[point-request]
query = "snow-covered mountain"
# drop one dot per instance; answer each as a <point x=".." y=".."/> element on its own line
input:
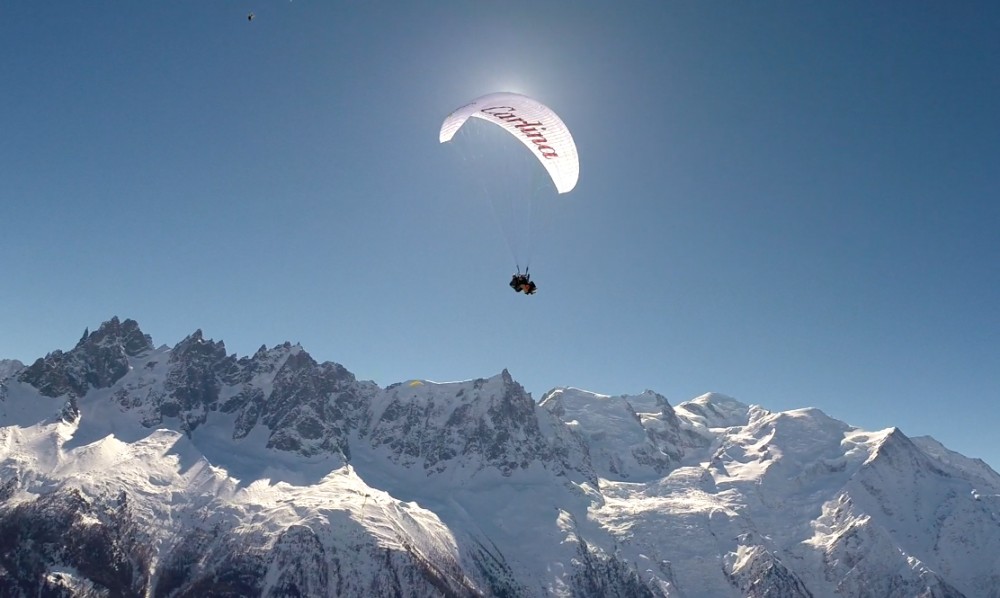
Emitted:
<point x="133" y="470"/>
<point x="9" y="367"/>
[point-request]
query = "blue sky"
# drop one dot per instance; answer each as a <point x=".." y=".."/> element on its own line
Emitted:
<point x="793" y="203"/>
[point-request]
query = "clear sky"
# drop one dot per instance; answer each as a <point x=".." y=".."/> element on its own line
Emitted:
<point x="792" y="203"/>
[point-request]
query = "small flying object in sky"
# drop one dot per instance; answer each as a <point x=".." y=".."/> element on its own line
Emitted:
<point x="250" y="17"/>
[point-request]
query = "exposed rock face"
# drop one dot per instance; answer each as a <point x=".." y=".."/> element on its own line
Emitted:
<point x="485" y="423"/>
<point x="128" y="470"/>
<point x="99" y="360"/>
<point x="97" y="539"/>
<point x="758" y="573"/>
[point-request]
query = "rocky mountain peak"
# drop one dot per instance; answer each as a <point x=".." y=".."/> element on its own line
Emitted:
<point x="895" y="451"/>
<point x="115" y="333"/>
<point x="98" y="360"/>
<point x="483" y="423"/>
<point x="195" y="346"/>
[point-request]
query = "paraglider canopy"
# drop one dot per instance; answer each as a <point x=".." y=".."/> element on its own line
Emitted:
<point x="534" y="124"/>
<point x="505" y="155"/>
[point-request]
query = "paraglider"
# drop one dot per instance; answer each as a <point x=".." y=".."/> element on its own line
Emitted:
<point x="522" y="283"/>
<point x="509" y="174"/>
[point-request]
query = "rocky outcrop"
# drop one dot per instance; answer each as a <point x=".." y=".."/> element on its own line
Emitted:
<point x="100" y="359"/>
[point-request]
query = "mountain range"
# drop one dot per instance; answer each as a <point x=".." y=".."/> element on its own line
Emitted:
<point x="128" y="469"/>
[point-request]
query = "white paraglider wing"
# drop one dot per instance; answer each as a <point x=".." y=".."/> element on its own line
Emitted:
<point x="533" y="123"/>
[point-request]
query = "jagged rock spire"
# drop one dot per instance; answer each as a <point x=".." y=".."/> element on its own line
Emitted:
<point x="98" y="360"/>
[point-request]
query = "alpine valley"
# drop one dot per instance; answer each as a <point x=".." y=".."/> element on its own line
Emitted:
<point x="133" y="470"/>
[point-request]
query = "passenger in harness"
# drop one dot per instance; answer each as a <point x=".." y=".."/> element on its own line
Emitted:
<point x="521" y="283"/>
